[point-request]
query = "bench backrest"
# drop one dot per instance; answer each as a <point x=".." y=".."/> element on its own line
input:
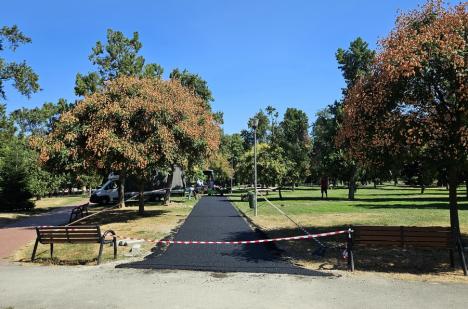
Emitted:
<point x="69" y="234"/>
<point x="429" y="237"/>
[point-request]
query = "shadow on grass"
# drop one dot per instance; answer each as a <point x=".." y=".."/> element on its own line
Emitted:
<point x="376" y="259"/>
<point x="436" y="205"/>
<point x="120" y="216"/>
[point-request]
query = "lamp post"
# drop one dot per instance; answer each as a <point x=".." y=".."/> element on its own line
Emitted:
<point x="255" y="126"/>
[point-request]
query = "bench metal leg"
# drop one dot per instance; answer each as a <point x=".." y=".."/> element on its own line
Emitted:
<point x="349" y="249"/>
<point x="100" y="252"/>
<point x="350" y="260"/>
<point x="51" y="251"/>
<point x="33" y="256"/>
<point x="462" y="258"/>
<point x="114" y="241"/>
<point x="452" y="261"/>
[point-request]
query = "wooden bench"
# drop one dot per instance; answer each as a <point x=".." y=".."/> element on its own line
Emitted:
<point x="78" y="212"/>
<point x="79" y="234"/>
<point x="401" y="236"/>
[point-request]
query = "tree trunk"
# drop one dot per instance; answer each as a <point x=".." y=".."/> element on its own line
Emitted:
<point x="375" y="183"/>
<point x="453" y="182"/>
<point x="122" y="178"/>
<point x="279" y="192"/>
<point x="422" y="188"/>
<point x="39" y="197"/>
<point x="352" y="185"/>
<point x="167" y="196"/>
<point x="141" y="205"/>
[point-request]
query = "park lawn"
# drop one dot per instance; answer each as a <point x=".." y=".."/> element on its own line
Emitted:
<point x="159" y="222"/>
<point x="386" y="205"/>
<point x="43" y="205"/>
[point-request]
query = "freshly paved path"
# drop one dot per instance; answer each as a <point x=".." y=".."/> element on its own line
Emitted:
<point x="15" y="235"/>
<point x="215" y="218"/>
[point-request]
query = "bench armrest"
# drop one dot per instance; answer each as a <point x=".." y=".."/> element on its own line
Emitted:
<point x="107" y="233"/>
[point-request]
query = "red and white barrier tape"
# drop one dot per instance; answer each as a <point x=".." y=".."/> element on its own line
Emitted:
<point x="236" y="242"/>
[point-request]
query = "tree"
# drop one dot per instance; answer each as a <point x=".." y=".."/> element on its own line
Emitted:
<point x="15" y="192"/>
<point x="19" y="73"/>
<point x="415" y="97"/>
<point x="132" y="127"/>
<point x="262" y="130"/>
<point x="295" y="142"/>
<point x="39" y="120"/>
<point x="272" y="166"/>
<point x="354" y="63"/>
<point x="326" y="158"/>
<point x="221" y="167"/>
<point x="232" y="148"/>
<point x="117" y="57"/>
<point x="194" y="82"/>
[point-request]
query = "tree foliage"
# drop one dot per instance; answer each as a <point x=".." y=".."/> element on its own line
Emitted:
<point x="22" y="76"/>
<point x="415" y="99"/>
<point x="132" y="126"/>
<point x="119" y="56"/>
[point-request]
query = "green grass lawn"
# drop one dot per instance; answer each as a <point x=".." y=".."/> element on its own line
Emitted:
<point x="386" y="205"/>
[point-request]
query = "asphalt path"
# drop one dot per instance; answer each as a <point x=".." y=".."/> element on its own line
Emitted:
<point x="216" y="219"/>
<point x="17" y="234"/>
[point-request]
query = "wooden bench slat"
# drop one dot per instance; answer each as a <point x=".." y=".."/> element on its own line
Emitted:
<point x="76" y="227"/>
<point x="71" y="236"/>
<point x="412" y="228"/>
<point x="66" y="241"/>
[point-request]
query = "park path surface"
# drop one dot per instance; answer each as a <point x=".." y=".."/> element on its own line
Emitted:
<point x="106" y="287"/>
<point x="216" y="219"/>
<point x="17" y="234"/>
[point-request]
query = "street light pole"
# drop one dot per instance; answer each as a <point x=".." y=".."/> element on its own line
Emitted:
<point x="255" y="125"/>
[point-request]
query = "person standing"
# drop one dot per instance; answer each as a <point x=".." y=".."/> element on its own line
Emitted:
<point x="324" y="186"/>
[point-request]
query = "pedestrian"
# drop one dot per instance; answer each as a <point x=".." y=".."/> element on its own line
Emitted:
<point x="324" y="186"/>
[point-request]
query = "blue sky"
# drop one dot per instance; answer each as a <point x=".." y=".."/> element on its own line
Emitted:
<point x="252" y="53"/>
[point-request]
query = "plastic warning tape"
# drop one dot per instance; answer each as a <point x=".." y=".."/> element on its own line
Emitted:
<point x="235" y="242"/>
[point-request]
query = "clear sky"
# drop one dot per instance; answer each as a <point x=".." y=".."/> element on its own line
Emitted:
<point x="253" y="53"/>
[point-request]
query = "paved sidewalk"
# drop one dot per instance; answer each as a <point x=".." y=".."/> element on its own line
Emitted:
<point x="17" y="234"/>
<point x="106" y="287"/>
<point x="215" y="218"/>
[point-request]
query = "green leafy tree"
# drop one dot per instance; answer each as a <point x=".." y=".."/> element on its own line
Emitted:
<point x="272" y="166"/>
<point x="14" y="169"/>
<point x="262" y="130"/>
<point x="295" y="142"/>
<point x="354" y="63"/>
<point x="39" y="120"/>
<point x="117" y="57"/>
<point x="22" y="76"/>
<point x="132" y="127"/>
<point x="326" y="158"/>
<point x="194" y="82"/>
<point x="232" y="148"/>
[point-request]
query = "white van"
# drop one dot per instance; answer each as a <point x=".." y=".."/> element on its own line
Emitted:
<point x="109" y="192"/>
